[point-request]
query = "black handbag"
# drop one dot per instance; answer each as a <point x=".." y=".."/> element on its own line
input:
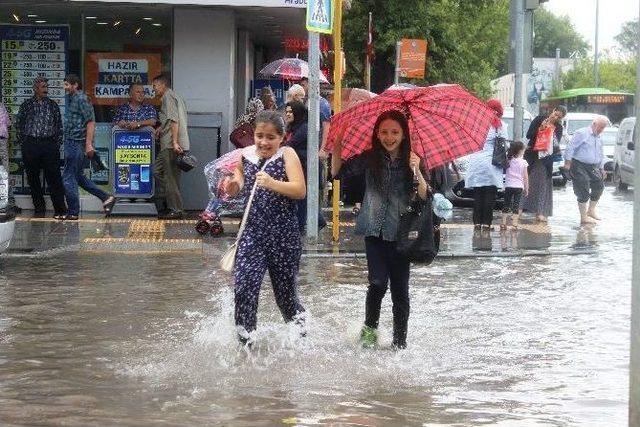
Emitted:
<point x="418" y="233"/>
<point x="186" y="161"/>
<point x="499" y="157"/>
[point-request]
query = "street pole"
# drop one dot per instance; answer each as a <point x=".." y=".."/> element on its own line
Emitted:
<point x="313" y="136"/>
<point x="596" y="73"/>
<point x="396" y="74"/>
<point x="337" y="107"/>
<point x="367" y="65"/>
<point x="519" y="51"/>
<point x="634" y="364"/>
<point x="556" y="72"/>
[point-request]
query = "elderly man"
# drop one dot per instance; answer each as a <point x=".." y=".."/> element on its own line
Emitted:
<point x="296" y="93"/>
<point x="135" y="113"/>
<point x="39" y="130"/>
<point x="585" y="159"/>
<point x="174" y="139"/>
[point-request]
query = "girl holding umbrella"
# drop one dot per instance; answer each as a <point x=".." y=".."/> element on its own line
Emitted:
<point x="388" y="167"/>
<point x="384" y="138"/>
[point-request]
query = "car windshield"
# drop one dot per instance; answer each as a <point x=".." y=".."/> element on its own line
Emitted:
<point x="574" y="125"/>
<point x="609" y="137"/>
<point x="509" y="122"/>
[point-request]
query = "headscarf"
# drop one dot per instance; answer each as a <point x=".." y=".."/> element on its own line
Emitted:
<point x="496" y="106"/>
<point x="299" y="114"/>
<point x="249" y="117"/>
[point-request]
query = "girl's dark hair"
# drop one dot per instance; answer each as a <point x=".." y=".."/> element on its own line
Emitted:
<point x="299" y="113"/>
<point x="377" y="160"/>
<point x="272" y="117"/>
<point x="514" y="149"/>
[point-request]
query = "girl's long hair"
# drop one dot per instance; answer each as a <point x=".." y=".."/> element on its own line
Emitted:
<point x="299" y="114"/>
<point x="514" y="148"/>
<point x="377" y="160"/>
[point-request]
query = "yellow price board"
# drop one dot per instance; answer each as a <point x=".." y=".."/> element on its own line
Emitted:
<point x="133" y="156"/>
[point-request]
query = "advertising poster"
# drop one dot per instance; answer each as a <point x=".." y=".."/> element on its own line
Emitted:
<point x="132" y="163"/>
<point x="277" y="87"/>
<point x="413" y="58"/>
<point x="28" y="52"/>
<point x="108" y="76"/>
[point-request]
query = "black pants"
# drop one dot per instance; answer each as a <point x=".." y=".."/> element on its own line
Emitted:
<point x="484" y="199"/>
<point x="588" y="182"/>
<point x="512" y="198"/>
<point x="43" y="154"/>
<point x="387" y="265"/>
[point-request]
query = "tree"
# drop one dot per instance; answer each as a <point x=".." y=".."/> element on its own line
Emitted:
<point x="629" y="36"/>
<point x="615" y="74"/>
<point x="551" y="32"/>
<point x="466" y="42"/>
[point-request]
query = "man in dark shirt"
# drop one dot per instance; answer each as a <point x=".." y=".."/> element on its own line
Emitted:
<point x="39" y="129"/>
<point x="135" y="113"/>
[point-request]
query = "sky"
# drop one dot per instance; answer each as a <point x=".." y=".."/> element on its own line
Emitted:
<point x="613" y="13"/>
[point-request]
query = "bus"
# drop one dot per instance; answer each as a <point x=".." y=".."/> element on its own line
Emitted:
<point x="615" y="105"/>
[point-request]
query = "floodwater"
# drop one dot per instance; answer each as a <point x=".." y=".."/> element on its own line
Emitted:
<point x="120" y="339"/>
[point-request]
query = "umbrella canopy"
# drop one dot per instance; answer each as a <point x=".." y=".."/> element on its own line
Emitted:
<point x="445" y="122"/>
<point x="354" y="96"/>
<point x="289" y="69"/>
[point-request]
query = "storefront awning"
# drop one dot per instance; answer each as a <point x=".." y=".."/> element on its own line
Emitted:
<point x="237" y="3"/>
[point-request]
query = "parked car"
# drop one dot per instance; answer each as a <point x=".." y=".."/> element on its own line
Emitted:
<point x="624" y="154"/>
<point x="455" y="173"/>
<point x="7" y="215"/>
<point x="609" y="136"/>
<point x="572" y="122"/>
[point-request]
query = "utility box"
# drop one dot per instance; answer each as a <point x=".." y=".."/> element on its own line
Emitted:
<point x="205" y="144"/>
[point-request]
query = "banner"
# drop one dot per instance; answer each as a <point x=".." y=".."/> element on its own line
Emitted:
<point x="413" y="58"/>
<point x="132" y="163"/>
<point x="108" y="76"/>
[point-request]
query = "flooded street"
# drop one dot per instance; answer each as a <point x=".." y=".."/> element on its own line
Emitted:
<point x="103" y="338"/>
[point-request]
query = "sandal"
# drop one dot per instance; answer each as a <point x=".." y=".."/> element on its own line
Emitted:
<point x="108" y="205"/>
<point x="59" y="217"/>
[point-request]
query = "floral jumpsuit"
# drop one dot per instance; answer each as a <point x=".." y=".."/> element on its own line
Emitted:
<point x="271" y="241"/>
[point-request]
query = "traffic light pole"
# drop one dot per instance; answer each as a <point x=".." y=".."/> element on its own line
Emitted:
<point x="519" y="50"/>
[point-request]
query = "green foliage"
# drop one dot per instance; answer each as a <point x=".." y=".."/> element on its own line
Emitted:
<point x="467" y="41"/>
<point x="629" y="36"/>
<point x="551" y="32"/>
<point x="615" y="74"/>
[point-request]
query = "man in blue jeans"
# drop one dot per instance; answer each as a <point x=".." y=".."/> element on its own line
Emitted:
<point x="79" y="130"/>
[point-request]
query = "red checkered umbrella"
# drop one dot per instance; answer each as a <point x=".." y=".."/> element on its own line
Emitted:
<point x="445" y="121"/>
<point x="289" y="69"/>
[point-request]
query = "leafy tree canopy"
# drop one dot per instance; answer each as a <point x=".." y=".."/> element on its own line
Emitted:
<point x="629" y="36"/>
<point x="615" y="74"/>
<point x="551" y="32"/>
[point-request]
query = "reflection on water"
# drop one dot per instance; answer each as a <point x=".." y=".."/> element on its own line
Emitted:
<point x="102" y="339"/>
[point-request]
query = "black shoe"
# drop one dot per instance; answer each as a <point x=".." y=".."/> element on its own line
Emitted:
<point x="171" y="215"/>
<point x="108" y="205"/>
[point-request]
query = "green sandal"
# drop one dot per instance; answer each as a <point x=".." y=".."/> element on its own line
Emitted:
<point x="368" y="337"/>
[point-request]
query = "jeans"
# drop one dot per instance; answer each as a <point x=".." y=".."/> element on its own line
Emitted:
<point x="73" y="176"/>
<point x="386" y="265"/>
<point x="484" y="199"/>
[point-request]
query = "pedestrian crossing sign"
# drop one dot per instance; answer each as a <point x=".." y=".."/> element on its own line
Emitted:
<point x="320" y="16"/>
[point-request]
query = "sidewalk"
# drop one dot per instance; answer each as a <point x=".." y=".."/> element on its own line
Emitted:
<point x="42" y="236"/>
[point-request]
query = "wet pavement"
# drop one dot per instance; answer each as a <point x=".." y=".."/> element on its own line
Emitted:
<point x="129" y="322"/>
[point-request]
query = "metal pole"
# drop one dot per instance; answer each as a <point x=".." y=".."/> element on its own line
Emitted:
<point x="596" y="73"/>
<point x="634" y="365"/>
<point x="396" y="74"/>
<point x="367" y="65"/>
<point x="556" y="76"/>
<point x="313" y="136"/>
<point x="337" y="107"/>
<point x="519" y="51"/>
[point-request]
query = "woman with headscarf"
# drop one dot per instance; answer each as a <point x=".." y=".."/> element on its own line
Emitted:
<point x="297" y="128"/>
<point x="483" y="177"/>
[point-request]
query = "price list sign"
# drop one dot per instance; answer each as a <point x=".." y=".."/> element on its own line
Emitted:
<point x="28" y="52"/>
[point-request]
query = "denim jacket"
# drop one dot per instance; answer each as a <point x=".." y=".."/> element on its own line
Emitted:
<point x="381" y="209"/>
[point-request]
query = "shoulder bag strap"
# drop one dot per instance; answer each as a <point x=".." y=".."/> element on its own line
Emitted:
<point x="248" y="208"/>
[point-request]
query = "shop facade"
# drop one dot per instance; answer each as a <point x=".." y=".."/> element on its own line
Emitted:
<point x="212" y="49"/>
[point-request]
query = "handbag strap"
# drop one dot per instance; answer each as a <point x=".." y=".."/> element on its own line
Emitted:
<point x="248" y="208"/>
